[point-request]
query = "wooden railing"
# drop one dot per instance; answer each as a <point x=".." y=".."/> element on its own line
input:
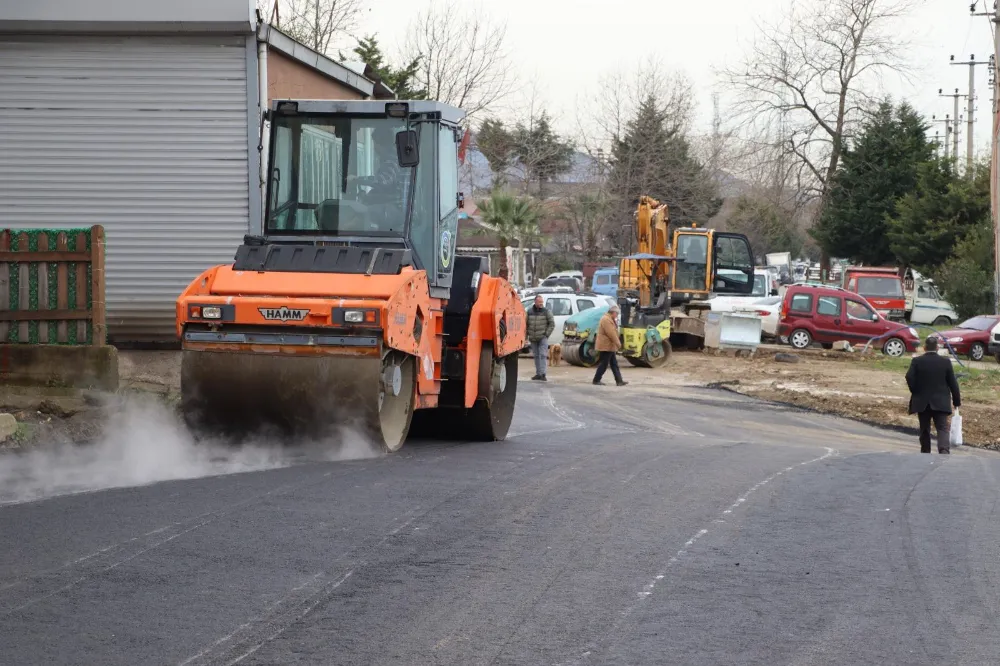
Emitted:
<point x="52" y="286"/>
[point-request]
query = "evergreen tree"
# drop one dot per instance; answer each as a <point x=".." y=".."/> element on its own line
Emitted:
<point x="966" y="278"/>
<point x="496" y="143"/>
<point x="402" y="80"/>
<point x="937" y="213"/>
<point x="541" y="152"/>
<point x="882" y="166"/>
<point x="654" y="158"/>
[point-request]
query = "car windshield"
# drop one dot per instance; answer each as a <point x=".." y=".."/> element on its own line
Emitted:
<point x="880" y="286"/>
<point x="979" y="323"/>
<point x="337" y="175"/>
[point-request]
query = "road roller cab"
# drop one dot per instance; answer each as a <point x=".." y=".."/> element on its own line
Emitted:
<point x="352" y="308"/>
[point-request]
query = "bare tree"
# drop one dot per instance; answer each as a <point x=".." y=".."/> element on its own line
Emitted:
<point x="319" y="24"/>
<point x="805" y="82"/>
<point x="462" y="55"/>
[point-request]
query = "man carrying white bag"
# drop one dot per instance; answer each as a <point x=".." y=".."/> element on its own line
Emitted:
<point x="933" y="391"/>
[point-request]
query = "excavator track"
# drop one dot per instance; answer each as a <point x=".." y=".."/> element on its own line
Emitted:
<point x="251" y="396"/>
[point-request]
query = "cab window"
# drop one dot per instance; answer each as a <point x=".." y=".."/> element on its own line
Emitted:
<point x="584" y="304"/>
<point x="560" y="306"/>
<point x="828" y="306"/>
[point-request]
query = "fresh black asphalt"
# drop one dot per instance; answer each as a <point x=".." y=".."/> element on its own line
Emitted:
<point x="615" y="526"/>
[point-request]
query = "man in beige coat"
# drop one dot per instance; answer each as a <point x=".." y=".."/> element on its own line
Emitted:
<point x="607" y="344"/>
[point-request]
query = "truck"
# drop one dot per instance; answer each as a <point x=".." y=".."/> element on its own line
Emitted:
<point x="924" y="303"/>
<point x="783" y="262"/>
<point x="879" y="285"/>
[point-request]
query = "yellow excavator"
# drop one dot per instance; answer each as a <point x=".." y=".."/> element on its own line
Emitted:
<point x="664" y="289"/>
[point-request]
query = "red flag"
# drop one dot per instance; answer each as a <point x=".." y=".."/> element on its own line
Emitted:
<point x="462" y="147"/>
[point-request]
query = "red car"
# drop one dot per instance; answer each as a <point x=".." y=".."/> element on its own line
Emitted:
<point x="812" y="313"/>
<point x="971" y="337"/>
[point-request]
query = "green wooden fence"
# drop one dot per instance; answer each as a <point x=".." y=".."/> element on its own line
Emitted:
<point x="52" y="286"/>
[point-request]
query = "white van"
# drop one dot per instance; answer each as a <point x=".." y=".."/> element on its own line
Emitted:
<point x="994" y="346"/>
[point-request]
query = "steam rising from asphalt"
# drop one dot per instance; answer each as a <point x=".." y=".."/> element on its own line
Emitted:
<point x="143" y="443"/>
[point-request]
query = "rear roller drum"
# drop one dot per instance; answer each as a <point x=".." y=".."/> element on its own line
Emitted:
<point x="490" y="418"/>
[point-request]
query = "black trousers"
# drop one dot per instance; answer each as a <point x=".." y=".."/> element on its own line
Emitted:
<point x="608" y="358"/>
<point x="940" y="420"/>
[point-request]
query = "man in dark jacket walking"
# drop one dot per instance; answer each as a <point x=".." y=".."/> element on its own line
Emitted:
<point x="540" y="325"/>
<point x="933" y="391"/>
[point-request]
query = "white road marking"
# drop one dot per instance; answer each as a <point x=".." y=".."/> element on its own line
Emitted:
<point x="648" y="589"/>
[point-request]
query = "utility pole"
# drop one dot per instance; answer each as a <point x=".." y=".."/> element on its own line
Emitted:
<point x="947" y="132"/>
<point x="994" y="16"/>
<point x="972" y="62"/>
<point x="954" y="96"/>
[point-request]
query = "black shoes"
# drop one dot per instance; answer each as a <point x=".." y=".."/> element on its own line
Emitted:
<point x="597" y="383"/>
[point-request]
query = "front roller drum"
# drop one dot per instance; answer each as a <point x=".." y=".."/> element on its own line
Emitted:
<point x="580" y="354"/>
<point x="243" y="395"/>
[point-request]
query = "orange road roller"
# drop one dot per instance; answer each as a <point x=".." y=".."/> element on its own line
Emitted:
<point x="352" y="308"/>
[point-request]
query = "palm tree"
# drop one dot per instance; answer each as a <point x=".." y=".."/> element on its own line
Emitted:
<point x="510" y="218"/>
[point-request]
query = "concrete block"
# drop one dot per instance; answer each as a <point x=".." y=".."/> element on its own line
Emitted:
<point x="60" y="366"/>
<point x="8" y="426"/>
<point x="842" y="345"/>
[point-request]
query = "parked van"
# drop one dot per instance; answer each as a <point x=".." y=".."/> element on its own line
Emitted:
<point x="605" y="281"/>
<point x="812" y="313"/>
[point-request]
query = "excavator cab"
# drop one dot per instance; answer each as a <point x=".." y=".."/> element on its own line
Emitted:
<point x="351" y="308"/>
<point x="710" y="262"/>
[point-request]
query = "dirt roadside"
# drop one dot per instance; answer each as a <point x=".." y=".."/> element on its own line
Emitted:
<point x="870" y="389"/>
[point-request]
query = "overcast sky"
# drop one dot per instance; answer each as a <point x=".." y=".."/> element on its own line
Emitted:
<point x="567" y="44"/>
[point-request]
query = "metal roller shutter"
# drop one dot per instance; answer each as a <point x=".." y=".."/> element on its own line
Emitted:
<point x="145" y="135"/>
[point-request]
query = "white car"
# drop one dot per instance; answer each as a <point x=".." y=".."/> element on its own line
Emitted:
<point x="764" y="285"/>
<point x="994" y="345"/>
<point x="573" y="274"/>
<point x="563" y="305"/>
<point x="769" y="310"/>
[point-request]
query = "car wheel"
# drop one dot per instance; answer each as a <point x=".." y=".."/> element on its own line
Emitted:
<point x="977" y="351"/>
<point x="894" y="347"/>
<point x="800" y="338"/>
<point x="942" y="321"/>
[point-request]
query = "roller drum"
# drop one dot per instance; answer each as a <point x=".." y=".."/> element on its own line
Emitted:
<point x="239" y="395"/>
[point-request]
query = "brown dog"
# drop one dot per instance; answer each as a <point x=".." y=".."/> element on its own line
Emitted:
<point x="555" y="354"/>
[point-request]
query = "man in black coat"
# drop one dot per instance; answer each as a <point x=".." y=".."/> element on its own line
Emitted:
<point x="933" y="391"/>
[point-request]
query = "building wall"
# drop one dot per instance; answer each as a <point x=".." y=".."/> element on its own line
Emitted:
<point x="288" y="79"/>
